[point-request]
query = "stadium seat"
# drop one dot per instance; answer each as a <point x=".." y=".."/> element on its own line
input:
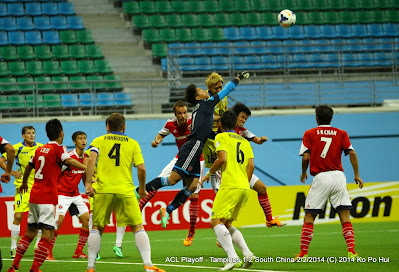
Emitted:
<point x="248" y="33"/>
<point x="3" y="69"/>
<point x="16" y="102"/>
<point x="327" y="31"/>
<point x="123" y="99"/>
<point x="26" y="52"/>
<point x="350" y="60"/>
<point x="193" y="49"/>
<point x="176" y="49"/>
<point x="96" y="85"/>
<point x="33" y="9"/>
<point x="141" y="21"/>
<point x="274" y="47"/>
<point x="85" y="67"/>
<point x="279" y="33"/>
<point x="203" y="63"/>
<point x="66" y="8"/>
<point x="75" y="22"/>
<point x="200" y="34"/>
<point x="164" y="64"/>
<point x="69" y="67"/>
<point x="79" y="83"/>
<point x="238" y="19"/>
<point x="50" y="8"/>
<point x="258" y="5"/>
<point x="42" y="22"/>
<point x="264" y="32"/>
<point x="222" y="20"/>
<point x="227" y="6"/>
<point x="77" y="51"/>
<point x="159" y="50"/>
<point x="344" y="31"/>
<point x="16" y="68"/>
<point x="390" y="30"/>
<point x="8" y="24"/>
<point x="44" y="84"/>
<point x="24" y="23"/>
<point x="59" y="22"/>
<point x="209" y="49"/>
<point x="84" y="36"/>
<point x="365" y="16"/>
<point x="10" y="87"/>
<point x="254" y="18"/>
<point x="68" y="36"/>
<point x="131" y="7"/>
<point x="94" y="51"/>
<point x="69" y="100"/>
<point x="163" y="7"/>
<point x="102" y="67"/>
<point x="151" y="35"/>
<point x="34" y="68"/>
<point x="3" y="9"/>
<point x="392" y="15"/>
<point x="232" y="33"/>
<point x="216" y="34"/>
<point x="184" y="35"/>
<point x="366" y="59"/>
<point x="3" y="38"/>
<point x="52" y="101"/>
<point x="269" y="18"/>
<point x="51" y="37"/>
<point x="104" y="99"/>
<point x="332" y="17"/>
<point x="258" y="47"/>
<point x="297" y="33"/>
<point x="60" y="51"/>
<point x="311" y="31"/>
<point x="174" y="20"/>
<point x="9" y="53"/>
<point x="167" y="35"/>
<point x="361" y="30"/>
<point x="51" y="68"/>
<point x="316" y="18"/>
<point x="254" y="63"/>
<point x="347" y="17"/>
<point x="62" y="85"/>
<point x="115" y="85"/>
<point x="383" y="58"/>
<point x="198" y="7"/>
<point x="222" y="63"/>
<point x="387" y="44"/>
<point x="206" y="20"/>
<point x="34" y="101"/>
<point x="42" y="52"/>
<point x="17" y="37"/>
<point x="16" y="9"/>
<point x="190" y="20"/>
<point x="147" y="7"/>
<point x="241" y="48"/>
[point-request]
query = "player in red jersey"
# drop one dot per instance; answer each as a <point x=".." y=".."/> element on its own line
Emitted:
<point x="322" y="148"/>
<point x="180" y="127"/>
<point x="9" y="149"/>
<point x="47" y="162"/>
<point x="69" y="196"/>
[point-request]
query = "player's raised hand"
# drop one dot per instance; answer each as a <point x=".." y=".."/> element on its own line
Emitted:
<point x="359" y="181"/>
<point x="243" y="74"/>
<point x="304" y="177"/>
<point x="6" y="177"/>
<point x="155" y="143"/>
<point x="24" y="188"/>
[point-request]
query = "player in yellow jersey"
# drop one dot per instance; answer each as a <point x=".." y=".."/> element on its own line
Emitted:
<point x="116" y="154"/>
<point x="236" y="159"/>
<point x="24" y="151"/>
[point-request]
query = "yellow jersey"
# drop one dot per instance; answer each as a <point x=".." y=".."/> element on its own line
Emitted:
<point x="23" y="154"/>
<point x="117" y="153"/>
<point x="238" y="152"/>
<point x="220" y="108"/>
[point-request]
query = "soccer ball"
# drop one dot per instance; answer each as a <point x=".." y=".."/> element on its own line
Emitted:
<point x="286" y="18"/>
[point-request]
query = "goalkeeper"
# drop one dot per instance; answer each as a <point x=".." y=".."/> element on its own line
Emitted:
<point x="187" y="166"/>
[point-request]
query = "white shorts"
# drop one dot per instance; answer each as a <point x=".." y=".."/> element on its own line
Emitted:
<point x="64" y="202"/>
<point x="41" y="215"/>
<point x="216" y="180"/>
<point x="168" y="170"/>
<point x="328" y="186"/>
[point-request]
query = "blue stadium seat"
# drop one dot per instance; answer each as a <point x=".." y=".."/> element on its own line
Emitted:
<point x="25" y="23"/>
<point x="353" y="45"/>
<point x="274" y="47"/>
<point x="366" y="59"/>
<point x="241" y="48"/>
<point x="311" y="31"/>
<point x="193" y="49"/>
<point x="383" y="58"/>
<point x="164" y="64"/>
<point x="232" y="33"/>
<point x="186" y="64"/>
<point x="374" y="30"/>
<point x="209" y="49"/>
<point x="349" y="60"/>
<point x="222" y="63"/>
<point x="279" y="33"/>
<point x="50" y="8"/>
<point x="370" y="44"/>
<point x="338" y="44"/>
<point x="33" y="37"/>
<point x="317" y="60"/>
<point x="16" y="37"/>
<point x="264" y="32"/>
<point x="225" y="48"/>
<point x="86" y="100"/>
<point x="176" y="49"/>
<point x="3" y="9"/>
<point x="42" y="22"/>
<point x="16" y="9"/>
<point x="327" y="31"/>
<point x="203" y="63"/>
<point x="59" y="22"/>
<point x="66" y="8"/>
<point x="299" y="61"/>
<point x="3" y="38"/>
<point x="8" y="23"/>
<point x="272" y="61"/>
<point x="123" y="99"/>
<point x="324" y="45"/>
<point x="248" y="33"/>
<point x="51" y="37"/>
<point x="297" y="33"/>
<point x="33" y="9"/>
<point x="104" y="99"/>
<point x="387" y="44"/>
<point x="344" y="31"/>
<point x="75" y="22"/>
<point x="258" y="47"/>
<point x="291" y="46"/>
<point x="254" y="62"/>
<point x="69" y="100"/>
<point x="390" y="30"/>
<point x="239" y="63"/>
<point x="331" y="59"/>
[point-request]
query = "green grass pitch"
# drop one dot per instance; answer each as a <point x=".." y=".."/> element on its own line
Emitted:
<point x="373" y="240"/>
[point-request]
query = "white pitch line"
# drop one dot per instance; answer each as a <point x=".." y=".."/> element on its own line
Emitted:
<point x="171" y="265"/>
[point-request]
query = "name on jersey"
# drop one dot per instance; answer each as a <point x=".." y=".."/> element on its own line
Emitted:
<point x="235" y="136"/>
<point x="116" y="138"/>
<point x="327" y="132"/>
<point x="45" y="150"/>
<point x="78" y="171"/>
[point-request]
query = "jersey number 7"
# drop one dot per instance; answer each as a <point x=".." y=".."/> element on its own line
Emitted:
<point x="326" y="147"/>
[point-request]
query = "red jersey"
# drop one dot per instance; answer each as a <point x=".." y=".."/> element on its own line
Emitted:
<point x="325" y="145"/>
<point x="47" y="162"/>
<point x="71" y="177"/>
<point x="245" y="133"/>
<point x="181" y="132"/>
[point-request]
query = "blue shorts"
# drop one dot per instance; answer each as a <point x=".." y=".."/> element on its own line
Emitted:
<point x="188" y="163"/>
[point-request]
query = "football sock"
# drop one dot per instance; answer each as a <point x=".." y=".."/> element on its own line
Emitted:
<point x="120" y="232"/>
<point x="265" y="204"/>
<point x="214" y="183"/>
<point x="143" y="201"/>
<point x="224" y="238"/>
<point x="90" y="222"/>
<point x="41" y="253"/>
<point x="52" y="242"/>
<point x="93" y="247"/>
<point x="349" y="236"/>
<point x="83" y="235"/>
<point x="193" y="211"/>
<point x="143" y="246"/>
<point x="179" y="199"/>
<point x="156" y="184"/>
<point x="23" y="245"/>
<point x="38" y="237"/>
<point x="238" y="239"/>
<point x="15" y="229"/>
<point x="306" y="237"/>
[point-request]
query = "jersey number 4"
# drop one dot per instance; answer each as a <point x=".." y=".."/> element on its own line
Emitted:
<point x="114" y="153"/>
<point x="326" y="147"/>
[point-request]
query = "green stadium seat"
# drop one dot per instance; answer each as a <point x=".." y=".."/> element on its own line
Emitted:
<point x="16" y="68"/>
<point x="33" y="101"/>
<point x="3" y="103"/>
<point x="317" y="18"/>
<point x="392" y="16"/>
<point x="159" y="50"/>
<point x="3" y="69"/>
<point x="163" y="6"/>
<point x="61" y="51"/>
<point x="84" y="36"/>
<point x="79" y="86"/>
<point x="113" y="86"/>
<point x="366" y="4"/>
<point x="196" y="7"/>
<point x="141" y="21"/>
<point x="206" y="20"/>
<point x="380" y="16"/>
<point x="212" y="6"/>
<point x="77" y="51"/>
<point x="332" y="18"/>
<point x="69" y="67"/>
<point x="238" y="19"/>
<point x="292" y="5"/>
<point x="26" y="52"/>
<point x="347" y="17"/>
<point x="52" y="100"/>
<point x="25" y="88"/>
<point x="8" y="88"/>
<point x="274" y="5"/>
<point x="303" y="5"/>
<point x="96" y="85"/>
<point x="51" y="67"/>
<point x="190" y="20"/>
<point x="200" y="34"/>
<point x="158" y="21"/>
<point x="102" y="67"/>
<point x="9" y="53"/>
<point x="383" y="4"/>
<point x="328" y="5"/>
<point x="269" y="18"/>
<point x="184" y="35"/>
<point x="302" y="18"/>
<point x="254" y="19"/>
<point x="151" y="35"/>
<point x="63" y="84"/>
<point x="365" y="16"/>
<point x="227" y="5"/>
<point x="167" y="35"/>
<point x="222" y="19"/>
<point x="94" y="51"/>
<point x="180" y="6"/>
<point x="86" y="67"/>
<point x="44" y="84"/>
<point x="147" y="7"/>
<point x="16" y="101"/>
<point x="43" y="52"/>
<point x="34" y="68"/>
<point x="68" y="36"/>
<point x="216" y="34"/>
<point x="350" y="4"/>
<point x="244" y="6"/>
<point x="131" y="7"/>
<point x="259" y="5"/>
<point x="174" y="20"/>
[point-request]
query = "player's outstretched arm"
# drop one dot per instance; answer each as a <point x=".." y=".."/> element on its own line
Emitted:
<point x="75" y="163"/>
<point x="141" y="175"/>
<point x="305" y="165"/>
<point x="259" y="140"/>
<point x="158" y="139"/>
<point x="24" y="187"/>
<point x="6" y="177"/>
<point x="355" y="166"/>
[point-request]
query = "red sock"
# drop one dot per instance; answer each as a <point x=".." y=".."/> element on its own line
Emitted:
<point x="306" y="237"/>
<point x="143" y="201"/>
<point x="41" y="253"/>
<point x="349" y="236"/>
<point x="265" y="203"/>
<point x="52" y="243"/>
<point x="83" y="235"/>
<point x="23" y="245"/>
<point x="193" y="210"/>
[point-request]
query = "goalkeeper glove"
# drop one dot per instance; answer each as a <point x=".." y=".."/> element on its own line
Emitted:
<point x="242" y="75"/>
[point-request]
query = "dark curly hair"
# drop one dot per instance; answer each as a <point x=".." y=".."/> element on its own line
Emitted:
<point x="191" y="93"/>
<point x="240" y="107"/>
